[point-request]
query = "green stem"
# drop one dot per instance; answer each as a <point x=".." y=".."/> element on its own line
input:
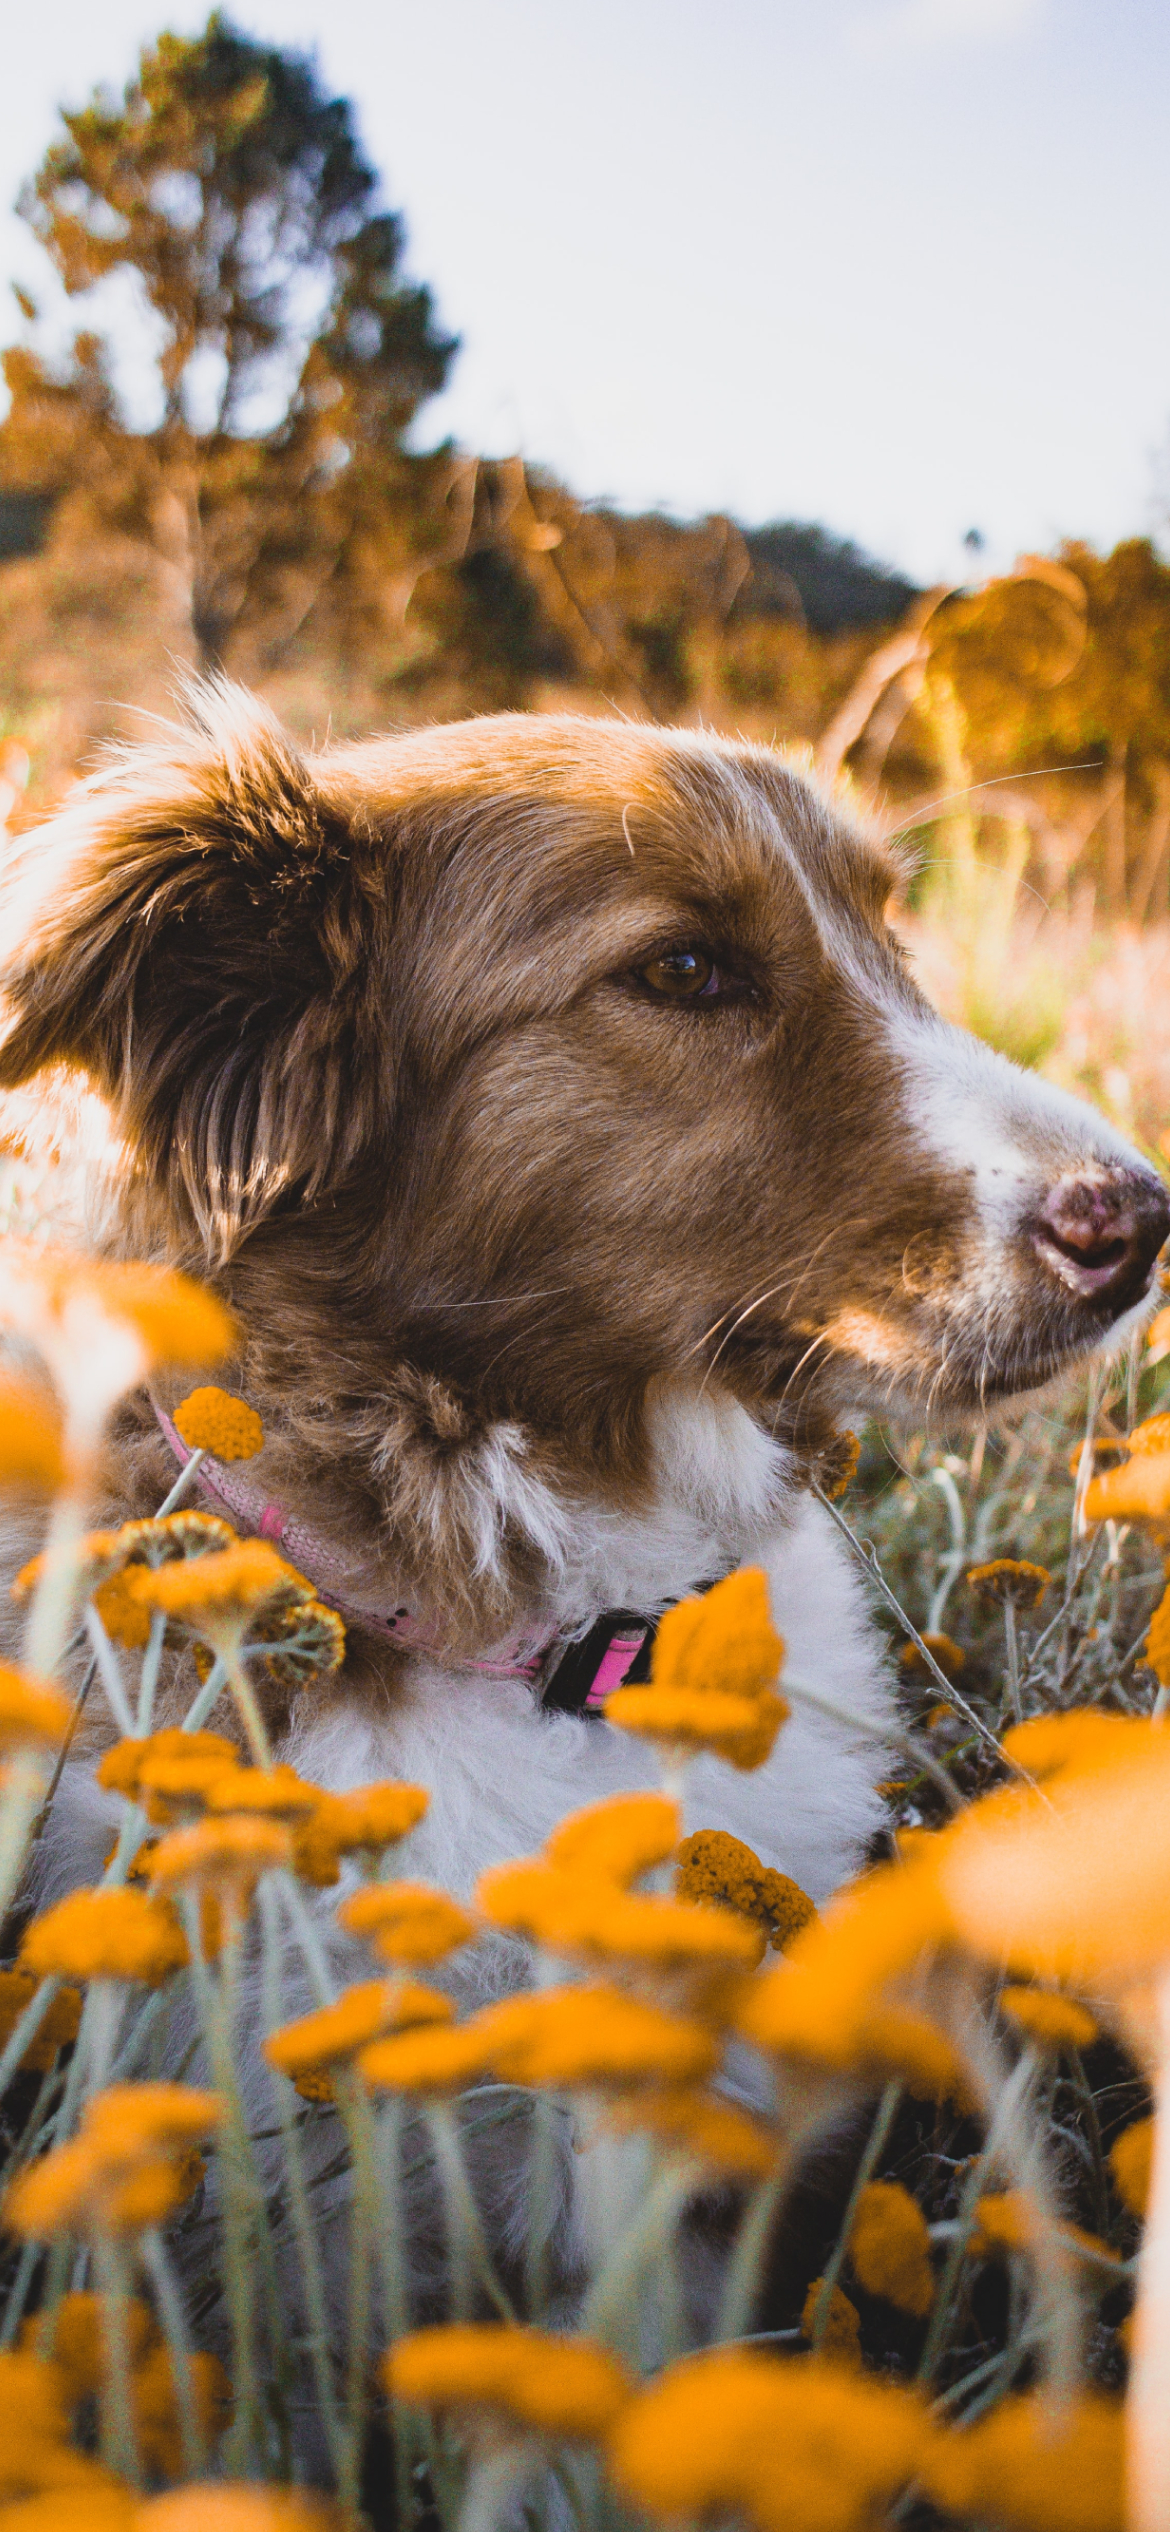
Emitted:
<point x="1012" y="1647"/>
<point x="25" y="2031"/>
<point x="887" y="2112"/>
<point x="467" y="2251"/>
<point x="741" y="2285"/>
<point x="493" y="2483"/>
<point x="20" y="1802"/>
<point x="47" y="1630"/>
<point x="244" y="2446"/>
<point x="248" y="1707"/>
<point x="611" y="2308"/>
<point x="208" y="1697"/>
<point x="148" y="1679"/>
<point x="170" y="2312"/>
<point x="364" y="2225"/>
<point x="119" y="2444"/>
<point x="543" y="2196"/>
<point x="308" y="2248"/>
<point x="182" y="1485"/>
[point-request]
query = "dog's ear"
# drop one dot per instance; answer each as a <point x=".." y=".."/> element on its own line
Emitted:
<point x="199" y="931"/>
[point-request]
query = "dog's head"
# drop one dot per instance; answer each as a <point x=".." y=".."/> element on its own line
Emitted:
<point x="505" y="1070"/>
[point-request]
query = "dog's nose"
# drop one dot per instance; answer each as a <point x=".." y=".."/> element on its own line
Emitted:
<point x="1101" y="1231"/>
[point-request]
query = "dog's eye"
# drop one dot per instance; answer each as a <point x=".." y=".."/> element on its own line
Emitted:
<point x="682" y="975"/>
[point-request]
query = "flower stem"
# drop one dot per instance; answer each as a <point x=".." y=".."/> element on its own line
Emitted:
<point x="119" y="2444"/>
<point x="308" y="2247"/>
<point x="887" y="2112"/>
<point x="170" y="2312"/>
<point x="248" y="1708"/>
<point x="467" y="2251"/>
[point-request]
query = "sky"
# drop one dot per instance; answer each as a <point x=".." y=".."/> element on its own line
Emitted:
<point x="898" y="266"/>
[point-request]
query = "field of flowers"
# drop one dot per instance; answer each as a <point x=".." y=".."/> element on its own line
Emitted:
<point x="866" y="2189"/>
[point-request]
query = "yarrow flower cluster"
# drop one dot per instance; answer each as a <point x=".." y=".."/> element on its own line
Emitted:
<point x="713" y="1673"/>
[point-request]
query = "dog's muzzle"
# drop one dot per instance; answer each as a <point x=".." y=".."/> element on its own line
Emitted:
<point x="1099" y="1231"/>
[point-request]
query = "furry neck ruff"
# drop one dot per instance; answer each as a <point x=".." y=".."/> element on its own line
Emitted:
<point x="615" y="1648"/>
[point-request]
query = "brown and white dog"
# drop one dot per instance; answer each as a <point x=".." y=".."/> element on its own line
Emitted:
<point x="552" y="1102"/>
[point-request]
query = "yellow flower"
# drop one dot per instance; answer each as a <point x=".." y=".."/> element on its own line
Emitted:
<point x="740" y="1729"/>
<point x="35" y="2454"/>
<point x="1034" y="2466"/>
<point x="825" y="2002"/>
<point x="1009" y="1578"/>
<point x="102" y="1553"/>
<point x="1004" y="2221"/>
<point x="174" y="1785"/>
<point x="231" y="1854"/>
<point x="315" y="2085"/>
<point x="363" y="2013"/>
<point x="79" y="2340"/>
<point x="106" y="1934"/>
<point x="59" y="2026"/>
<point x="236" y="2507"/>
<point x="441" y="2058"/>
<point x="534" y="1899"/>
<point x="32" y="1711"/>
<point x="407" y="1921"/>
<point x="1138" y="1490"/>
<point x="155" y="2403"/>
<point x="786" y="2446"/>
<point x="120" y="1771"/>
<point x="565" y="2389"/>
<point x="712" y="1671"/>
<point x="365" y="1821"/>
<point x="164" y="1537"/>
<point x="890" y="2248"/>
<point x="701" y="2128"/>
<point x="1058" y="1744"/>
<point x="717" y="1869"/>
<point x="123" y="1617"/>
<point x="1051" y="2022"/>
<point x="593" y="1920"/>
<point x="75" y="2190"/>
<point x="120" y="2174"/>
<point x="31" y="1459"/>
<point x="950" y="1657"/>
<point x="211" y="1420"/>
<point x="219" y="1593"/>
<point x="306" y="1637"/>
<point x="135" y="2118"/>
<point x="1072" y="1884"/>
<point x="82" y="2498"/>
<point x="619" y="1839"/>
<point x="568" y="2037"/>
<point x="275" y="1793"/>
<point x="841" y="2337"/>
<point x="1153" y="1435"/>
<point x="45" y="1291"/>
<point x="1131" y="2160"/>
<point x="725" y="1641"/>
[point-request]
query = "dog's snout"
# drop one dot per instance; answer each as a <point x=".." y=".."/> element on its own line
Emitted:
<point x="1100" y="1231"/>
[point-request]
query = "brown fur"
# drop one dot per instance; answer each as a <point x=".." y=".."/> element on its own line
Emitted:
<point x="372" y="1026"/>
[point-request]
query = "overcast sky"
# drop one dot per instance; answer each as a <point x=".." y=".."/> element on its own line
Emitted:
<point x="897" y="265"/>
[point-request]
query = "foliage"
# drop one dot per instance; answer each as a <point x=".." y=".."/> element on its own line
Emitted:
<point x="290" y="355"/>
<point x="919" y="2251"/>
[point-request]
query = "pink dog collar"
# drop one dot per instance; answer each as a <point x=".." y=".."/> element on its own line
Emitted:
<point x="616" y="1646"/>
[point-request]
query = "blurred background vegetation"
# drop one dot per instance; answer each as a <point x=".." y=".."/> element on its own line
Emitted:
<point x="277" y="520"/>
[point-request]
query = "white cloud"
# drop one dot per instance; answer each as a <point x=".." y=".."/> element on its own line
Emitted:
<point x="930" y="22"/>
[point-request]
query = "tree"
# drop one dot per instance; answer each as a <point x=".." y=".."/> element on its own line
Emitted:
<point x="290" y="354"/>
